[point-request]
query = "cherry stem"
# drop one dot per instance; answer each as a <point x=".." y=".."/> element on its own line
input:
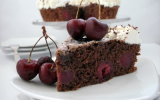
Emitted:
<point x="78" y="9"/>
<point x="53" y="42"/>
<point x="99" y="10"/>
<point x="52" y="67"/>
<point x="48" y="48"/>
<point x="29" y="58"/>
<point x="46" y="36"/>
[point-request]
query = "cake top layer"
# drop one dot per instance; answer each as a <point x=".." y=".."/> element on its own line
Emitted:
<point x="46" y="4"/>
<point x="106" y="3"/>
<point x="71" y="44"/>
<point x="128" y="34"/>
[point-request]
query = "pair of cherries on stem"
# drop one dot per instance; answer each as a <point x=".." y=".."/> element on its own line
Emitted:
<point x="92" y="28"/>
<point x="45" y="66"/>
<point x="27" y="69"/>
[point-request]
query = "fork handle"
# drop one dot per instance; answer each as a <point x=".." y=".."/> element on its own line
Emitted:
<point x="16" y="56"/>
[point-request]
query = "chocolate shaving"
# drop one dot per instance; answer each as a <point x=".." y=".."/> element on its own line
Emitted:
<point x="115" y="32"/>
<point x="135" y="28"/>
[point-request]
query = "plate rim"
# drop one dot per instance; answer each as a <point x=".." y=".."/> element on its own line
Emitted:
<point x="6" y="45"/>
<point x="49" y="98"/>
<point x="33" y="52"/>
<point x="28" y="49"/>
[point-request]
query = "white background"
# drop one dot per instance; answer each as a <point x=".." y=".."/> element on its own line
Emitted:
<point x="16" y="17"/>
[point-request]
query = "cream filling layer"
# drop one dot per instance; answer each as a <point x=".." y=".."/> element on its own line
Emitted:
<point x="61" y="3"/>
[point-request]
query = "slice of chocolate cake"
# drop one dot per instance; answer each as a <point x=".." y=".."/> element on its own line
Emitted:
<point x="81" y="63"/>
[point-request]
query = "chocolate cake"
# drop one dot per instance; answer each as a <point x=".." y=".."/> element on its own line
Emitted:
<point x="59" y="14"/>
<point x="64" y="10"/>
<point x="106" y="12"/>
<point x="86" y="62"/>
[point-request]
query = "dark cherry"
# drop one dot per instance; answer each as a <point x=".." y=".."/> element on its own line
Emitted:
<point x="27" y="71"/>
<point x="75" y="28"/>
<point x="66" y="76"/>
<point x="104" y="70"/>
<point x="45" y="59"/>
<point x="47" y="73"/>
<point x="95" y="30"/>
<point x="66" y="15"/>
<point x="126" y="59"/>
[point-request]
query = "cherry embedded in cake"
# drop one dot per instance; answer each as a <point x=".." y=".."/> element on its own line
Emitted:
<point x="66" y="76"/>
<point x="85" y="61"/>
<point x="104" y="71"/>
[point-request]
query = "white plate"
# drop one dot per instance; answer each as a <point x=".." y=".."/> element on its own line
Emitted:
<point x="28" y="49"/>
<point x="33" y="53"/>
<point x="22" y="97"/>
<point x="142" y="84"/>
<point x="26" y="42"/>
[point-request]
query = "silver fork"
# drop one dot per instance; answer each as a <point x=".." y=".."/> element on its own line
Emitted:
<point x="16" y="55"/>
